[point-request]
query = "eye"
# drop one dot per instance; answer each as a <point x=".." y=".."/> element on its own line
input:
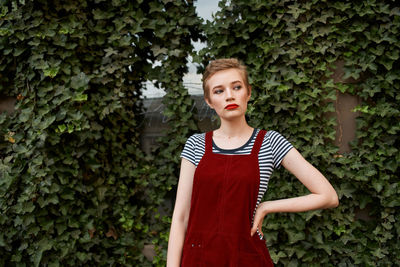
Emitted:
<point x="237" y="87"/>
<point x="218" y="91"/>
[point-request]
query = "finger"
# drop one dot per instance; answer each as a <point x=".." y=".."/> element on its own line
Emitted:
<point x="259" y="227"/>
<point x="260" y="230"/>
<point x="254" y="228"/>
<point x="257" y="223"/>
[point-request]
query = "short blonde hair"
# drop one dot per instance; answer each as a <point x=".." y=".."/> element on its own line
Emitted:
<point x="224" y="64"/>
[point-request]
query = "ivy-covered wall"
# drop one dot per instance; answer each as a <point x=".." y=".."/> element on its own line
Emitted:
<point x="75" y="187"/>
<point x="291" y="49"/>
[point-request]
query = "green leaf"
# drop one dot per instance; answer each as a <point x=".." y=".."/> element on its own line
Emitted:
<point x="79" y="81"/>
<point x="346" y="190"/>
<point x="20" y="148"/>
<point x="70" y="128"/>
<point x="102" y="14"/>
<point x="283" y="88"/>
<point x="294" y="236"/>
<point x="101" y="191"/>
<point x="62" y="128"/>
<point x="25" y="114"/>
<point x="51" y="72"/>
<point x="43" y="245"/>
<point x="80" y="97"/>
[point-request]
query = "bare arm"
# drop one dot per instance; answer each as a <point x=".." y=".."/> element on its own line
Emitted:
<point x="322" y="196"/>
<point x="180" y="216"/>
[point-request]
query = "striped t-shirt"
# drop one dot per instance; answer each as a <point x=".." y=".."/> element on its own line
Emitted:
<point x="274" y="147"/>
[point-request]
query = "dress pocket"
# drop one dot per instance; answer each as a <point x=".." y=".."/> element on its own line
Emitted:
<point x="250" y="245"/>
<point x="249" y="260"/>
<point x="254" y="252"/>
<point x="192" y="252"/>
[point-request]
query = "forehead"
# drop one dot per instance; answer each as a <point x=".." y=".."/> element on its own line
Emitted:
<point x="225" y="77"/>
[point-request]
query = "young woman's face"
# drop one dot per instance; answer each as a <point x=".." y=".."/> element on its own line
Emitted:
<point x="228" y="95"/>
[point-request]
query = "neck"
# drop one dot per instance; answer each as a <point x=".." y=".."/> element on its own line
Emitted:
<point x="234" y="128"/>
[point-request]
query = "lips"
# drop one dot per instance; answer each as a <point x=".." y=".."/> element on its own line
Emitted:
<point x="231" y="106"/>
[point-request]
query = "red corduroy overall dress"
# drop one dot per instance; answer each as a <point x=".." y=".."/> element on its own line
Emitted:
<point x="224" y="197"/>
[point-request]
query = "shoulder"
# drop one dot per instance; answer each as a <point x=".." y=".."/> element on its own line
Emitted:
<point x="276" y="142"/>
<point x="274" y="137"/>
<point x="194" y="142"/>
<point x="270" y="135"/>
<point x="196" y="138"/>
<point x="194" y="148"/>
<point x="277" y="145"/>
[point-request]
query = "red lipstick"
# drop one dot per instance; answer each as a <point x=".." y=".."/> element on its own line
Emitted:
<point x="231" y="106"/>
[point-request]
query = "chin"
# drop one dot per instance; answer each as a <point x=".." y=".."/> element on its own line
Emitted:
<point x="232" y="117"/>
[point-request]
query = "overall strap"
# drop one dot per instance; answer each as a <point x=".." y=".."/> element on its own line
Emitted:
<point x="209" y="142"/>
<point x="258" y="142"/>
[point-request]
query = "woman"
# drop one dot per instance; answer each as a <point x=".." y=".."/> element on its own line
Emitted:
<point x="218" y="216"/>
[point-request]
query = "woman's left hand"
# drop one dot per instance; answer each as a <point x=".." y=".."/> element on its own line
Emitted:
<point x="322" y="196"/>
<point x="259" y="218"/>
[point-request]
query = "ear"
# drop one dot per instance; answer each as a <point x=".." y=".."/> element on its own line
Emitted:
<point x="249" y="96"/>
<point x="208" y="102"/>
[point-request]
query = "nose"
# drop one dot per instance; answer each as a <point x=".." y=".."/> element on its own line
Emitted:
<point x="229" y="94"/>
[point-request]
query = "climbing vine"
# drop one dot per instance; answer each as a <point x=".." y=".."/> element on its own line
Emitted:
<point x="292" y="49"/>
<point x="75" y="186"/>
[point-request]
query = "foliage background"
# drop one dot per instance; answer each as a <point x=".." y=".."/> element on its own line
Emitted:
<point x="75" y="187"/>
<point x="291" y="49"/>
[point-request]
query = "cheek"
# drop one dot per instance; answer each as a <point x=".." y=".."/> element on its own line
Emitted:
<point x="246" y="97"/>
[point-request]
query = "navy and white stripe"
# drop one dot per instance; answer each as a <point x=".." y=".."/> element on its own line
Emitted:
<point x="274" y="147"/>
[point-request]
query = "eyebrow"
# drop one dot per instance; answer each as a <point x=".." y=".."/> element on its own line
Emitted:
<point x="218" y="86"/>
